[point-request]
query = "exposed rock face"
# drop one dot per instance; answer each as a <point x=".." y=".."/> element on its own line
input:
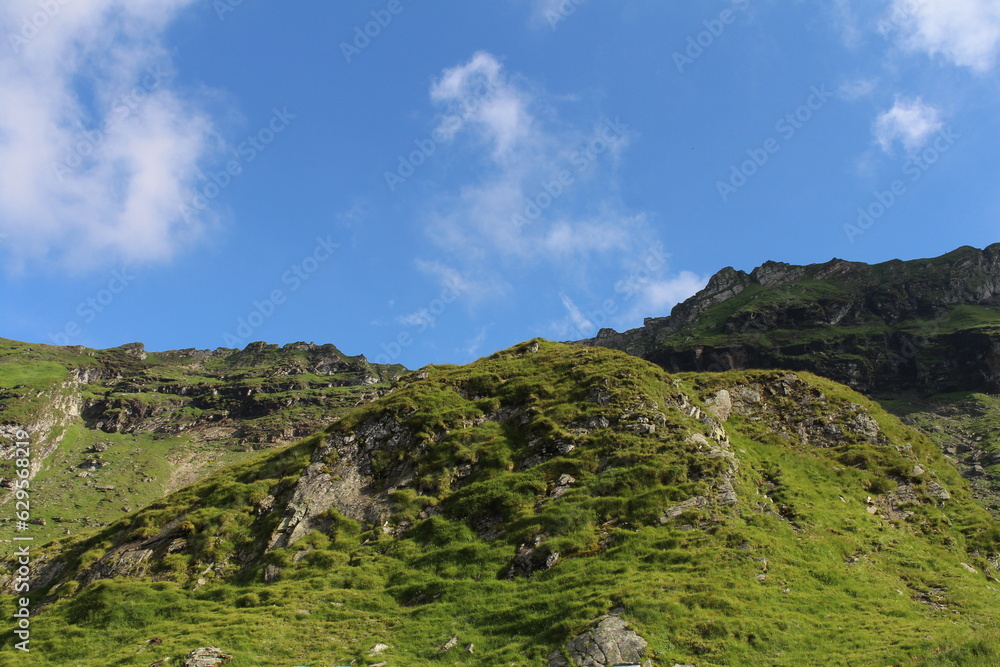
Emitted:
<point x="349" y="484"/>
<point x="878" y="328"/>
<point x="609" y="642"/>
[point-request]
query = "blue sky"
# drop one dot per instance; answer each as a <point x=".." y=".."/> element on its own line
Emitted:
<point x="427" y="182"/>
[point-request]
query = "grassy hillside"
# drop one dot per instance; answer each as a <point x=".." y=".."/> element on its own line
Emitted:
<point x="113" y="430"/>
<point x="750" y="517"/>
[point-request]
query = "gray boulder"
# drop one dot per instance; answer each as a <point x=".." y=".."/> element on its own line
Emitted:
<point x="210" y="656"/>
<point x="609" y="642"/>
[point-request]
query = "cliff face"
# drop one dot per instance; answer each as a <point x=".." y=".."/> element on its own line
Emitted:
<point x="924" y="325"/>
<point x="551" y="504"/>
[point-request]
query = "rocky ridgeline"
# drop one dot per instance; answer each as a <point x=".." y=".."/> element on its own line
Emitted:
<point x="929" y="325"/>
<point x="221" y="396"/>
<point x="198" y="406"/>
<point x="230" y="390"/>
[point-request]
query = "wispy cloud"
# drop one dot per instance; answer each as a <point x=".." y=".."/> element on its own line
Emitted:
<point x="531" y="190"/>
<point x="475" y="344"/>
<point x="857" y="88"/>
<point x="97" y="147"/>
<point x="656" y="297"/>
<point x="478" y="94"/>
<point x="580" y="323"/>
<point x="966" y="32"/>
<point x="910" y="123"/>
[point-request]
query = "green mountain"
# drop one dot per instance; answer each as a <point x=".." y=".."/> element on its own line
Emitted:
<point x="554" y="505"/>
<point x="114" y="430"/>
<point x="922" y="337"/>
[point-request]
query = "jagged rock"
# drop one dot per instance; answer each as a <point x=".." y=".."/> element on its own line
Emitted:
<point x="378" y="648"/>
<point x="697" y="502"/>
<point x="207" y="657"/>
<point x="529" y="559"/>
<point x="851" y="350"/>
<point x="562" y="485"/>
<point x="726" y="495"/>
<point x="938" y="492"/>
<point x="609" y="642"/>
<point x="720" y="405"/>
<point x="602" y="422"/>
<point x="450" y="644"/>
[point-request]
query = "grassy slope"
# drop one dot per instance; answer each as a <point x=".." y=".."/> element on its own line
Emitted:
<point x="140" y="465"/>
<point x="964" y="425"/>
<point x="841" y="586"/>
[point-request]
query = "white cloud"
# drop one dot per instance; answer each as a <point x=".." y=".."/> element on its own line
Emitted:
<point x="966" y="32"/>
<point x="454" y="285"/>
<point x="97" y="149"/>
<point x="911" y="123"/>
<point x="516" y="206"/>
<point x="475" y="344"/>
<point x="531" y="201"/>
<point x="656" y="297"/>
<point x="579" y="323"/>
<point x="843" y="13"/>
<point x="479" y="94"/>
<point x="858" y="88"/>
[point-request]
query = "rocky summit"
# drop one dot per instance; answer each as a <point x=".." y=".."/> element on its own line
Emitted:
<point x="797" y="467"/>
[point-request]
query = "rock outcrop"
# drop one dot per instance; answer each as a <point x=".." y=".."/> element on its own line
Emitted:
<point x="210" y="656"/>
<point x="609" y="642"/>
